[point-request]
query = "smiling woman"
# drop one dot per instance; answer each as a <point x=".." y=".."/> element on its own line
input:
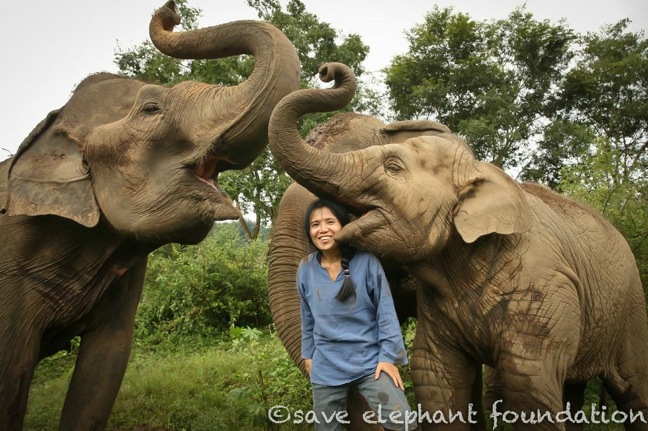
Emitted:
<point x="350" y="332"/>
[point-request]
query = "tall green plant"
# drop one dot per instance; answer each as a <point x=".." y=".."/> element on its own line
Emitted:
<point x="206" y="288"/>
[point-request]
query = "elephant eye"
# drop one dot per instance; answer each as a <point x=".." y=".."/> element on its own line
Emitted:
<point x="394" y="165"/>
<point x="151" y="107"/>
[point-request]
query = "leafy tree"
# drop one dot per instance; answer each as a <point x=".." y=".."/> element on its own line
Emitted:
<point x="258" y="188"/>
<point x="570" y="111"/>
<point x="490" y="82"/>
<point x="605" y="97"/>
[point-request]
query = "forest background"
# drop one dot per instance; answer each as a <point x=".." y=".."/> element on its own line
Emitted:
<point x="534" y="97"/>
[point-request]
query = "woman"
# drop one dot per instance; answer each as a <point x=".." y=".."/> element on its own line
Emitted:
<point x="350" y="331"/>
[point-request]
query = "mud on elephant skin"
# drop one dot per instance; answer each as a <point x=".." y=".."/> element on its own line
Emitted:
<point x="123" y="168"/>
<point x="514" y="276"/>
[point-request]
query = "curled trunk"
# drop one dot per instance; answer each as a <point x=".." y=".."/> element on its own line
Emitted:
<point x="276" y="73"/>
<point x="304" y="163"/>
<point x="288" y="244"/>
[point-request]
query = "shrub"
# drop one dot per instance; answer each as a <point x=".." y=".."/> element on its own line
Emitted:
<point x="207" y="288"/>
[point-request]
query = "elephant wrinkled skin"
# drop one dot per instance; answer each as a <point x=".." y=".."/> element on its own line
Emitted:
<point x="510" y="275"/>
<point x="123" y="168"/>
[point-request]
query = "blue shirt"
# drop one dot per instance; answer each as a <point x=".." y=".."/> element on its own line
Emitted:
<point x="346" y="340"/>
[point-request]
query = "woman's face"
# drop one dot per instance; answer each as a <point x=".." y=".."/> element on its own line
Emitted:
<point x="323" y="225"/>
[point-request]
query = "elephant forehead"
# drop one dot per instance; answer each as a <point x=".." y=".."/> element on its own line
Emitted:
<point x="347" y="132"/>
<point x="435" y="150"/>
<point x="430" y="144"/>
<point x="151" y="91"/>
<point x="430" y="148"/>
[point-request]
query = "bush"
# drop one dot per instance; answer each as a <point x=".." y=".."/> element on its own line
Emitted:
<point x="207" y="288"/>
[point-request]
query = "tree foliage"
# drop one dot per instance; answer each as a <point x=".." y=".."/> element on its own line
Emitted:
<point x="490" y="82"/>
<point x="568" y="110"/>
<point x="257" y="189"/>
<point x="221" y="282"/>
<point x="605" y="99"/>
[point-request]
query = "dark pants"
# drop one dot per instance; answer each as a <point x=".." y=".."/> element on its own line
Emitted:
<point x="388" y="402"/>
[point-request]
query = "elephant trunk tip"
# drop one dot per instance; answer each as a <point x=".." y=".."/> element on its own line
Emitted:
<point x="338" y="72"/>
<point x="168" y="16"/>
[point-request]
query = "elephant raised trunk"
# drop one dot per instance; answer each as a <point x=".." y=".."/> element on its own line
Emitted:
<point x="242" y="136"/>
<point x="301" y="160"/>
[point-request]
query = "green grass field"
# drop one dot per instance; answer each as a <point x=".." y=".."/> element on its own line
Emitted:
<point x="207" y="385"/>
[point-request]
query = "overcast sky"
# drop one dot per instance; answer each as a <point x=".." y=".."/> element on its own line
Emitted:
<point x="49" y="46"/>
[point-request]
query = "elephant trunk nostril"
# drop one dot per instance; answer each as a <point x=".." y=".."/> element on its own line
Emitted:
<point x="323" y="72"/>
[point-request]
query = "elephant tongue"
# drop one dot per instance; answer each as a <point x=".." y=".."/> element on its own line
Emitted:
<point x="206" y="171"/>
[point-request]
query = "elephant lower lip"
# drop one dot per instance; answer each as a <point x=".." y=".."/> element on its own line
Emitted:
<point x="209" y="182"/>
<point x="212" y="184"/>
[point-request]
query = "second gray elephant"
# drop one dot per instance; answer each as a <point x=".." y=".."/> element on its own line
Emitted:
<point x="510" y="275"/>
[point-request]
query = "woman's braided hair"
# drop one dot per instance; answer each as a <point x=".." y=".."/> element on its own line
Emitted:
<point x="342" y="214"/>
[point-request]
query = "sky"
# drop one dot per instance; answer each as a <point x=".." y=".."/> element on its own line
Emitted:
<point x="50" y="46"/>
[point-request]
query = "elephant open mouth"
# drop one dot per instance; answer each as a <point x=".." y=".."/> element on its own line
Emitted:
<point x="207" y="173"/>
<point x="215" y="204"/>
<point x="366" y="222"/>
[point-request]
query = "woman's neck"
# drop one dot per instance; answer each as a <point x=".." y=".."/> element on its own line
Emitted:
<point x="331" y="256"/>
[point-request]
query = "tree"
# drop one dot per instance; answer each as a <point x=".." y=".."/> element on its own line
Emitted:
<point x="490" y="82"/>
<point x="257" y="189"/>
<point x="605" y="96"/>
<point x="567" y="110"/>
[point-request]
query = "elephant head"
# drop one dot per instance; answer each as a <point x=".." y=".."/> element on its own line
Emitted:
<point x="146" y="158"/>
<point x="409" y="194"/>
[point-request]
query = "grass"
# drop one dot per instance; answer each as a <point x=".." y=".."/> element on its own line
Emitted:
<point x="203" y="384"/>
<point x="225" y="386"/>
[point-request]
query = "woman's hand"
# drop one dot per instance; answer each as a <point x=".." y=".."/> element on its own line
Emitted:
<point x="308" y="363"/>
<point x="391" y="371"/>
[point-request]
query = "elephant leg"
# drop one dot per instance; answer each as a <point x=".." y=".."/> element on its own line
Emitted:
<point x="17" y="364"/>
<point x="103" y="354"/>
<point x="532" y="388"/>
<point x="627" y="379"/>
<point x="478" y="402"/>
<point x="493" y="390"/>
<point x="574" y="398"/>
<point x="444" y="383"/>
<point x="627" y="385"/>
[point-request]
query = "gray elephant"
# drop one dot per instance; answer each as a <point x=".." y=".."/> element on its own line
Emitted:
<point x="510" y="275"/>
<point x="123" y="168"/>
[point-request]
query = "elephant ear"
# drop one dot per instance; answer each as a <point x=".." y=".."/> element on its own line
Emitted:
<point x="491" y="202"/>
<point x="48" y="176"/>
<point x="400" y="131"/>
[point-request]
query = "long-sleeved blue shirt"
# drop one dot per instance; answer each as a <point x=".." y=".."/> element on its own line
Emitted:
<point x="346" y="340"/>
